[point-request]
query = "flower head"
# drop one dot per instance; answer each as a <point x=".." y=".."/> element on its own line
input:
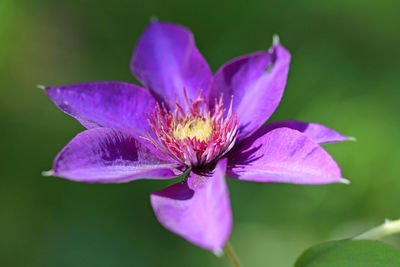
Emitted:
<point x="187" y="118"/>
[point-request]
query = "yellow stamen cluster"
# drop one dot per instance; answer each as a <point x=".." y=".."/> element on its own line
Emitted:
<point x="198" y="127"/>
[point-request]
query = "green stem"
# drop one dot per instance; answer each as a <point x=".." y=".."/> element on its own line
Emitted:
<point x="230" y="252"/>
<point x="388" y="228"/>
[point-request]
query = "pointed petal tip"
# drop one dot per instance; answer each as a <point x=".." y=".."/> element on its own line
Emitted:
<point x="218" y="252"/>
<point x="351" y="138"/>
<point x="275" y="40"/>
<point x="344" y="181"/>
<point x="40" y="86"/>
<point x="48" y="173"/>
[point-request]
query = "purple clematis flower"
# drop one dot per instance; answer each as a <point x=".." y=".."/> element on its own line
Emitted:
<point x="187" y="118"/>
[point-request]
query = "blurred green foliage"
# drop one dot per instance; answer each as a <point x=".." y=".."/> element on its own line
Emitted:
<point x="344" y="74"/>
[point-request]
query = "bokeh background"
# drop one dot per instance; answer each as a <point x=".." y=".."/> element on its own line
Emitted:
<point x="344" y="74"/>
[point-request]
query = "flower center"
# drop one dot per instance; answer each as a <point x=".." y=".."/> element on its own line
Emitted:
<point x="198" y="128"/>
<point x="195" y="135"/>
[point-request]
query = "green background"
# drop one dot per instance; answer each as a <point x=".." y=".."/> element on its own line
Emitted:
<point x="344" y="73"/>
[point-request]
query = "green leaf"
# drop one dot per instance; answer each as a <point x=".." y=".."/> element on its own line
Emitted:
<point x="350" y="253"/>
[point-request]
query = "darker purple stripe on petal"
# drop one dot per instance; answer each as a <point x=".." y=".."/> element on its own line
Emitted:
<point x="167" y="61"/>
<point x="198" y="209"/>
<point x="109" y="156"/>
<point x="283" y="155"/>
<point x="256" y="82"/>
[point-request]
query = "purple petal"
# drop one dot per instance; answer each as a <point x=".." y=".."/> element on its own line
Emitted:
<point x="198" y="209"/>
<point x="318" y="133"/>
<point x="283" y="155"/>
<point x="117" y="105"/>
<point x="166" y="60"/>
<point x="108" y="156"/>
<point x="256" y="82"/>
